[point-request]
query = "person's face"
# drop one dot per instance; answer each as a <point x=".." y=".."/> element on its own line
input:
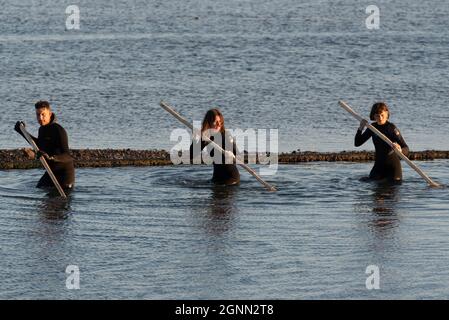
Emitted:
<point x="217" y="124"/>
<point x="381" y="117"/>
<point x="43" y="116"/>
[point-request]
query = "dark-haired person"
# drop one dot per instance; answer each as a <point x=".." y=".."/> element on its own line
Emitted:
<point x="53" y="144"/>
<point x="387" y="163"/>
<point x="225" y="171"/>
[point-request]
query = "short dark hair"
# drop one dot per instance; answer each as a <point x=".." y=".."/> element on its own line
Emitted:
<point x="377" y="108"/>
<point x="42" y="104"/>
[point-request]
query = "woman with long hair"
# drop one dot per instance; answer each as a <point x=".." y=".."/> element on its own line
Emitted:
<point x="213" y="127"/>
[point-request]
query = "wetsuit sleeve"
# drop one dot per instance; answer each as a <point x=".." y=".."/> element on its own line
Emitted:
<point x="361" y="138"/>
<point x="62" y="152"/>
<point x="400" y="140"/>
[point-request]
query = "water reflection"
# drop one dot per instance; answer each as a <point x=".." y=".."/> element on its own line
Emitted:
<point x="384" y="199"/>
<point x="54" y="207"/>
<point x="221" y="209"/>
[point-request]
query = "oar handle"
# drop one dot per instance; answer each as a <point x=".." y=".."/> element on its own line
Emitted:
<point x="216" y="146"/>
<point x="432" y="183"/>
<point x="345" y="106"/>
<point x="43" y="161"/>
<point x="176" y="115"/>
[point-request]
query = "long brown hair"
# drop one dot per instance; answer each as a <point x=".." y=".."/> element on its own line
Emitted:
<point x="209" y="119"/>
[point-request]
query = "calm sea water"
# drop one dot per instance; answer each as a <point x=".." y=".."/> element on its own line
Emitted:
<point x="166" y="232"/>
<point x="281" y="65"/>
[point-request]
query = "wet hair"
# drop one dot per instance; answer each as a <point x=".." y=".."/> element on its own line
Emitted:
<point x="377" y="108"/>
<point x="209" y="119"/>
<point x="42" y="104"/>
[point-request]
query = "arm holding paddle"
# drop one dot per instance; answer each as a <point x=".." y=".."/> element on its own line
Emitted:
<point x="17" y="129"/>
<point x="363" y="124"/>
<point x="360" y="138"/>
<point x="40" y="155"/>
<point x="199" y="142"/>
<point x="400" y="145"/>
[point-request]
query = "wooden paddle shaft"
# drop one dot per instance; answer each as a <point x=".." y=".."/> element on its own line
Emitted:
<point x="216" y="146"/>
<point x="43" y="161"/>
<point x="345" y="106"/>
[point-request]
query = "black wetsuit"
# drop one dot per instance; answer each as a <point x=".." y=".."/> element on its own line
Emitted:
<point x="224" y="173"/>
<point x="52" y="139"/>
<point x="387" y="163"/>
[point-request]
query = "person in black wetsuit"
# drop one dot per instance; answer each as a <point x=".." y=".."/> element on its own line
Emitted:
<point x="53" y="144"/>
<point x="225" y="169"/>
<point x="387" y="163"/>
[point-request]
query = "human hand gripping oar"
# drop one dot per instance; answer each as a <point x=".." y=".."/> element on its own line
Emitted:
<point x="431" y="183"/>
<point x="28" y="138"/>
<point x="216" y="146"/>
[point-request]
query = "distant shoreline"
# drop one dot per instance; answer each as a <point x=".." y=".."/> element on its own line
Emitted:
<point x="97" y="158"/>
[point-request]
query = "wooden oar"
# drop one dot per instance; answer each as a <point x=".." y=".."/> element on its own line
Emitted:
<point x="431" y="183"/>
<point x="43" y="161"/>
<point x="216" y="146"/>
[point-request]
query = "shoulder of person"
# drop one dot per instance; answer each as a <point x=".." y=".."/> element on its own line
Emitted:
<point x="394" y="129"/>
<point x="58" y="127"/>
